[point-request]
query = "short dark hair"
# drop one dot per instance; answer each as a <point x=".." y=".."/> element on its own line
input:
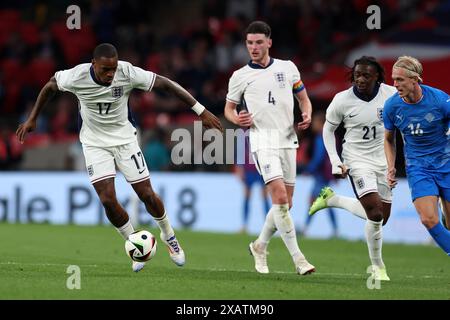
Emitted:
<point x="259" y="27"/>
<point x="368" y="61"/>
<point x="105" y="50"/>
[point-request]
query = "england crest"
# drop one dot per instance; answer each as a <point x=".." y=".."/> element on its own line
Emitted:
<point x="117" y="92"/>
<point x="90" y="170"/>
<point x="380" y="113"/>
<point x="360" y="183"/>
<point x="280" y="77"/>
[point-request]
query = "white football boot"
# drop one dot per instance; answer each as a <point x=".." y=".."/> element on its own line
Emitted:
<point x="303" y="267"/>
<point x="137" y="266"/>
<point x="260" y="257"/>
<point x="175" y="251"/>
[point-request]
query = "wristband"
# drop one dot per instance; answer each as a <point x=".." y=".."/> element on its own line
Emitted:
<point x="198" y="108"/>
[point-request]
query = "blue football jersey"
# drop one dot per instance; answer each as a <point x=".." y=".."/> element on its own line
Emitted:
<point x="424" y="127"/>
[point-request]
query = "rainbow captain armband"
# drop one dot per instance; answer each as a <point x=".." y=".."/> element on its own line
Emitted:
<point x="198" y="108"/>
<point x="298" y="86"/>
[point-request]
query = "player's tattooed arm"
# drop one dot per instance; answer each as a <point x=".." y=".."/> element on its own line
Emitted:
<point x="166" y="84"/>
<point x="47" y="92"/>
<point x="209" y="120"/>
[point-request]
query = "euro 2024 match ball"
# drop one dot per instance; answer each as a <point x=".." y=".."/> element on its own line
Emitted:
<point x="141" y="245"/>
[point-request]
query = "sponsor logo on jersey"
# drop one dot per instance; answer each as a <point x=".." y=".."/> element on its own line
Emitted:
<point x="266" y="168"/>
<point x="280" y="77"/>
<point x="380" y="113"/>
<point x="117" y="92"/>
<point x="90" y="170"/>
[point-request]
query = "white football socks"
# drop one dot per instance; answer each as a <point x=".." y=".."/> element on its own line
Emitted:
<point x="267" y="232"/>
<point x="285" y="225"/>
<point x="164" y="225"/>
<point x="374" y="235"/>
<point x="350" y="204"/>
<point x="126" y="229"/>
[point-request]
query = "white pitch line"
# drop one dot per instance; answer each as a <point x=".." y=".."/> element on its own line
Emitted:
<point x="45" y="264"/>
<point x="279" y="272"/>
<point x="317" y="273"/>
<point x="223" y="270"/>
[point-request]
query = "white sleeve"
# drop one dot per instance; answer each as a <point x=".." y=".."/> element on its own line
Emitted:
<point x="235" y="89"/>
<point x="330" y="145"/>
<point x="64" y="79"/>
<point x="141" y="79"/>
<point x="294" y="74"/>
<point x="333" y="119"/>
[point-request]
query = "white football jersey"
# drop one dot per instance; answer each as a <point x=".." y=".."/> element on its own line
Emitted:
<point x="106" y="117"/>
<point x="267" y="93"/>
<point x="363" y="144"/>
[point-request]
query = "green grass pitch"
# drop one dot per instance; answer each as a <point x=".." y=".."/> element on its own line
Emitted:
<point x="34" y="261"/>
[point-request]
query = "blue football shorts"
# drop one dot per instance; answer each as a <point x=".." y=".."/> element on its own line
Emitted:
<point x="423" y="183"/>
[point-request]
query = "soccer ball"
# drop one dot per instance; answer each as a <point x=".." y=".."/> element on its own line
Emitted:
<point x="141" y="245"/>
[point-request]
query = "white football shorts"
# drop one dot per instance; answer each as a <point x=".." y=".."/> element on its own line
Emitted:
<point x="101" y="162"/>
<point x="365" y="181"/>
<point x="274" y="164"/>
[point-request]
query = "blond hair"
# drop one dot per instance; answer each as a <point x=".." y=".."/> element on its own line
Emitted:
<point x="411" y="65"/>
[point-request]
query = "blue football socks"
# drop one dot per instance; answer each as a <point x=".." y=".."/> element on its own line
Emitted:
<point x="442" y="237"/>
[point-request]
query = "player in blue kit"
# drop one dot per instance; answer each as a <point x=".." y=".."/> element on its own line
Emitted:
<point x="421" y="113"/>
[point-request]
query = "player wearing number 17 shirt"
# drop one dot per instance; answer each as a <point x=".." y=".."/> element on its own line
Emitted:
<point x="108" y="135"/>
<point x="266" y="87"/>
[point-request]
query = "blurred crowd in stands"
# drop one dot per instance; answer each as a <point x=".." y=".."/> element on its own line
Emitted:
<point x="197" y="43"/>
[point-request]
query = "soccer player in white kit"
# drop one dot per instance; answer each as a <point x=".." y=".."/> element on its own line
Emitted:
<point x="109" y="138"/>
<point x="360" y="109"/>
<point x="267" y="87"/>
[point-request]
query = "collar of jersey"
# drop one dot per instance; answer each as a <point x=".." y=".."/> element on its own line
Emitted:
<point x="364" y="98"/>
<point x="258" y="66"/>
<point x="91" y="71"/>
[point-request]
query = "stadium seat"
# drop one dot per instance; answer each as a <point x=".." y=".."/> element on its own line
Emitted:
<point x="29" y="33"/>
<point x="185" y="118"/>
<point x="12" y="71"/>
<point x="41" y="70"/>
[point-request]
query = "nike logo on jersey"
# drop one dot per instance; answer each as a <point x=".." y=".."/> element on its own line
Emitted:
<point x="141" y="171"/>
<point x="352" y="115"/>
<point x="249" y="83"/>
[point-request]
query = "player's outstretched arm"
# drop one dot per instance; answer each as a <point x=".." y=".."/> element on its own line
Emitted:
<point x="208" y="119"/>
<point x="47" y="92"/>
<point x="390" y="151"/>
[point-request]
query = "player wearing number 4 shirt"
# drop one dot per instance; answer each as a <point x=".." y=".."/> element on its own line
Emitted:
<point x="266" y="87"/>
<point x="360" y="108"/>
<point x="108" y="135"/>
<point x="421" y="113"/>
